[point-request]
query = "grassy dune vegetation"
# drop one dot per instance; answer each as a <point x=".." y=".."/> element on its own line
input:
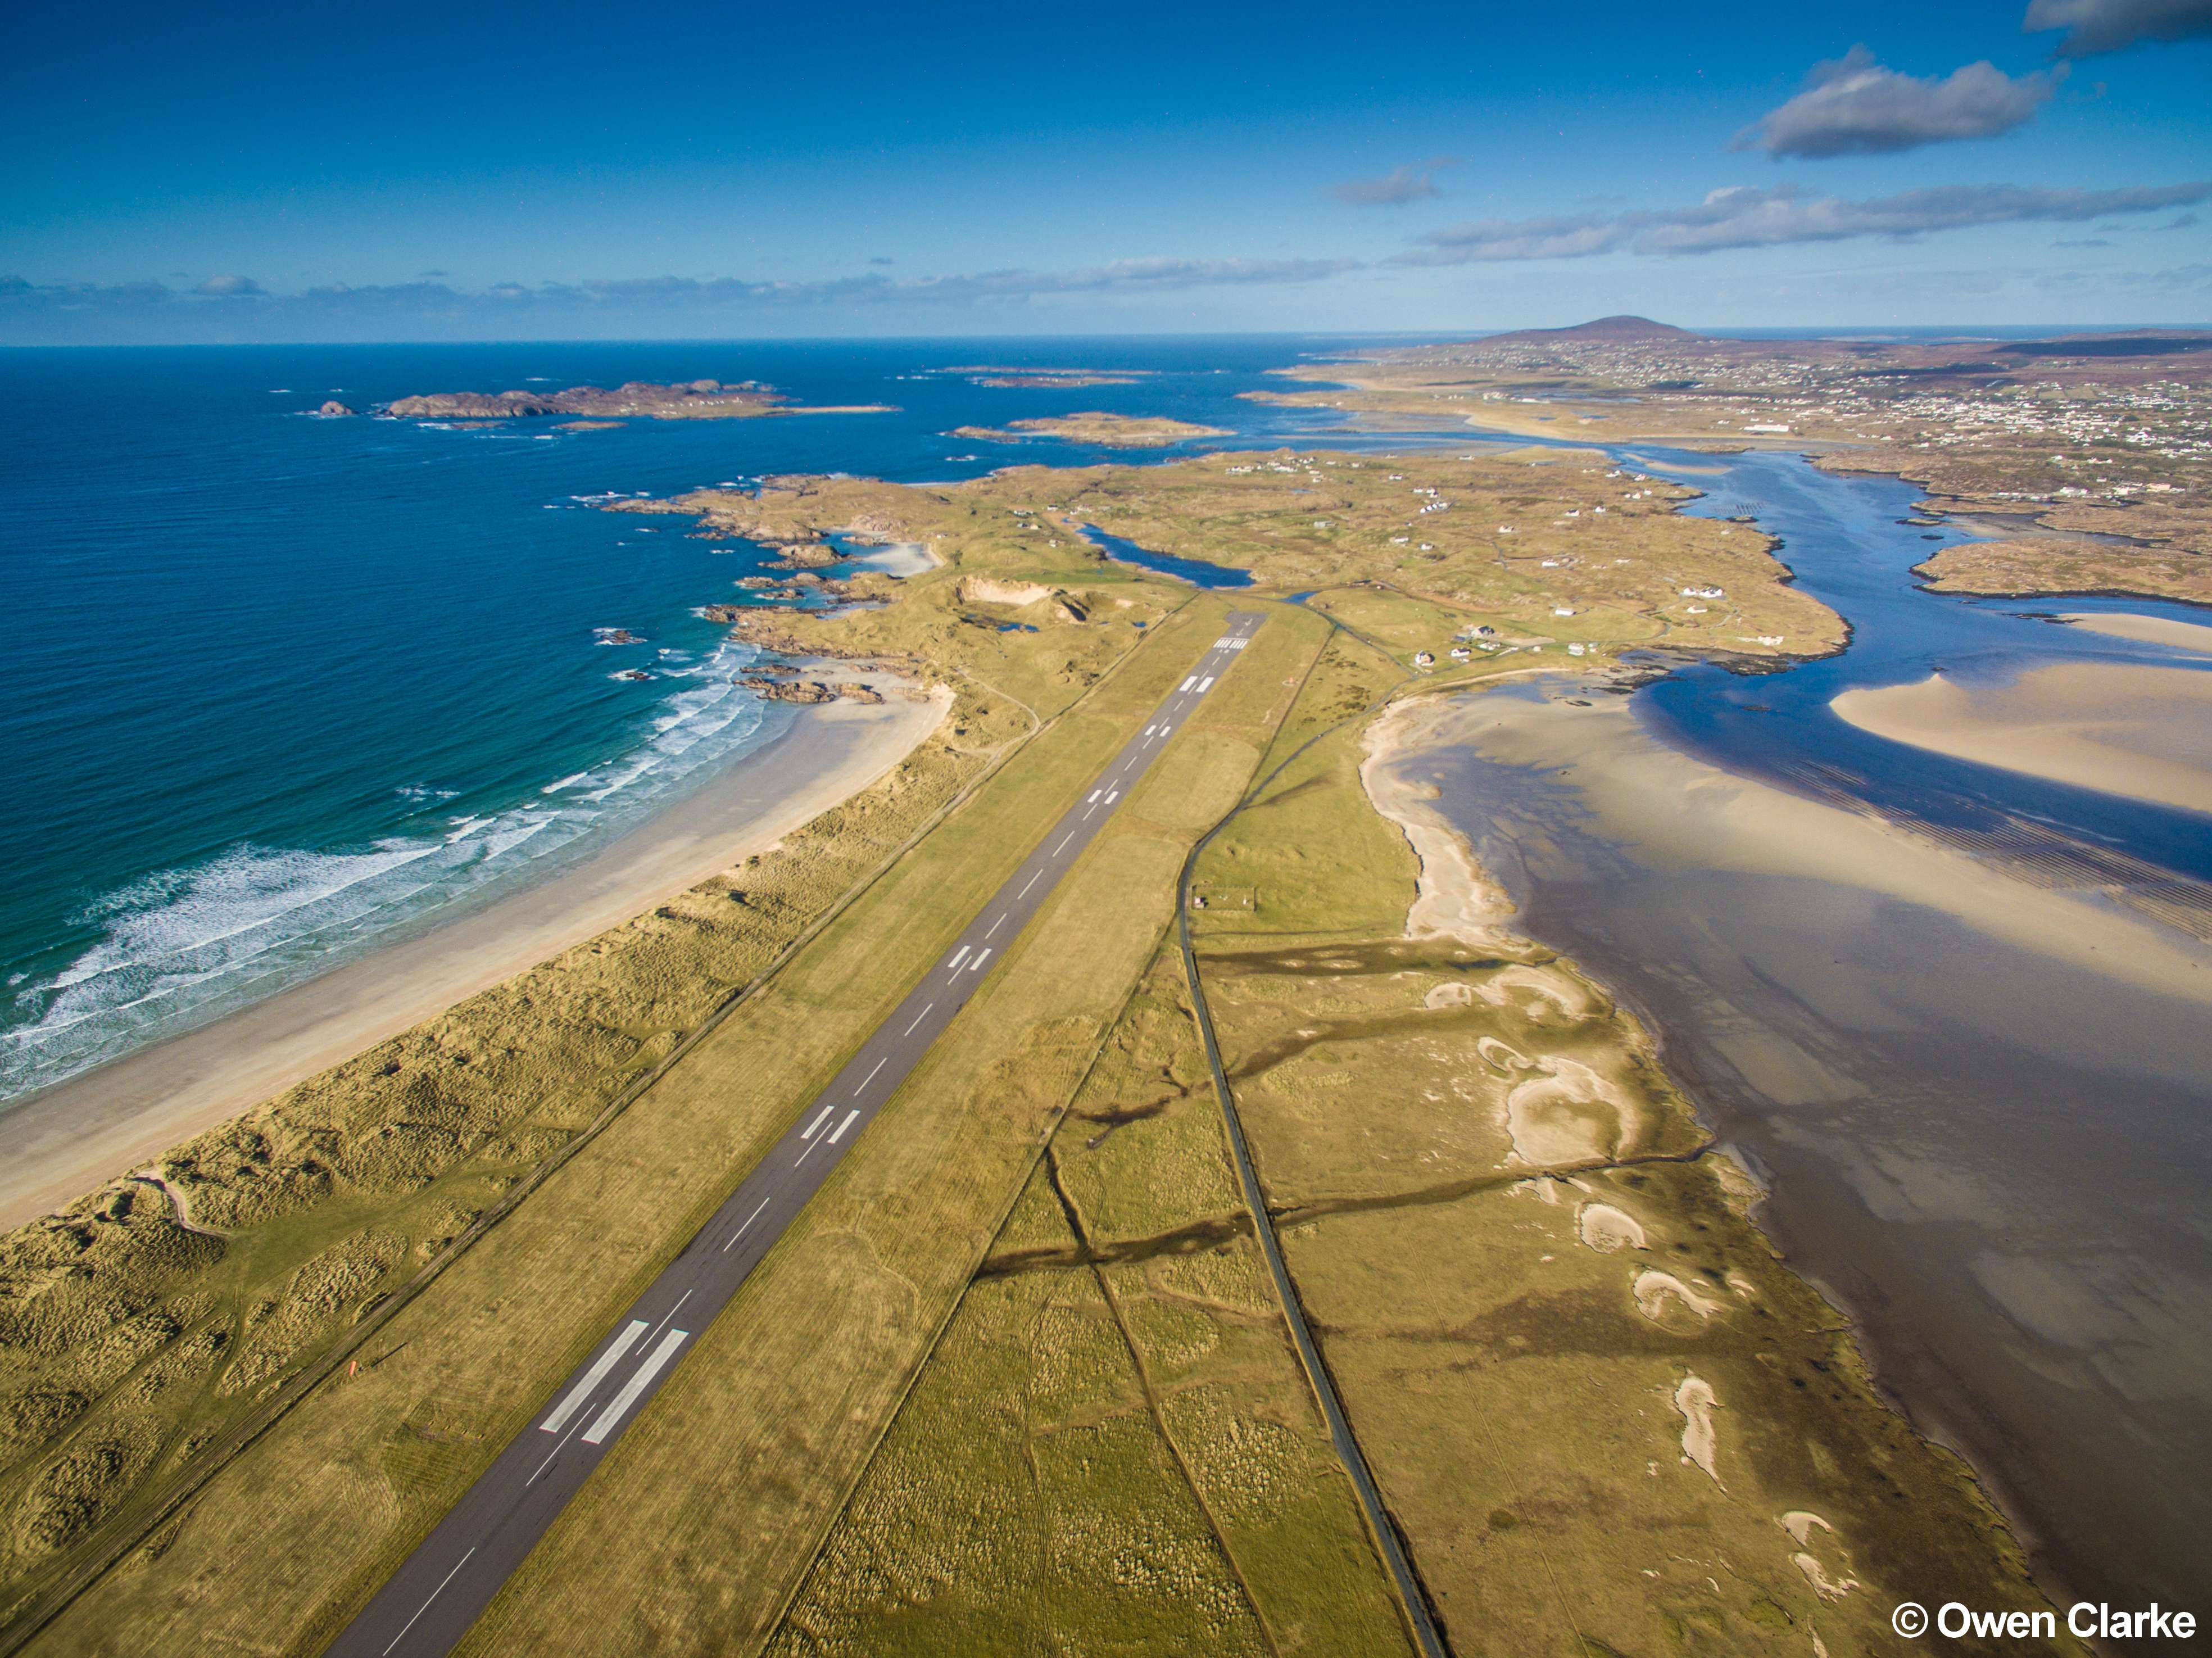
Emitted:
<point x="1546" y="548"/>
<point x="1014" y="1382"/>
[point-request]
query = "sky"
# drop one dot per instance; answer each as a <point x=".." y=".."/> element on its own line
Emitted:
<point x="443" y="171"/>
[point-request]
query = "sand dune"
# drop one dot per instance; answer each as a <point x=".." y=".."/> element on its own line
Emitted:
<point x="2141" y="731"/>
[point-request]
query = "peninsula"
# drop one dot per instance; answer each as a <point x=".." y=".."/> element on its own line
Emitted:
<point x="2084" y="460"/>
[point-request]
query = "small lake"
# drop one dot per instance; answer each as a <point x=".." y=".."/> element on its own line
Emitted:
<point x="1197" y="571"/>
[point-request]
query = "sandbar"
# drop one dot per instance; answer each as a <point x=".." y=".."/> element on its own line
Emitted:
<point x="2149" y="630"/>
<point x="2141" y="731"/>
<point x="62" y="1141"/>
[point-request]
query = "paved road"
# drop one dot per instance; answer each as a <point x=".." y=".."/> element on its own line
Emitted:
<point x="430" y="1602"/>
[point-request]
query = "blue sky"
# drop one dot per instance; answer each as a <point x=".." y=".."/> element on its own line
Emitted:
<point x="453" y="171"/>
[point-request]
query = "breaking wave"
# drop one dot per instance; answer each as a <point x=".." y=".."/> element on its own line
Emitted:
<point x="180" y="946"/>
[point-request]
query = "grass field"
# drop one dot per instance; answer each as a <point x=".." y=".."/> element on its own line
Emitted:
<point x="1112" y="1448"/>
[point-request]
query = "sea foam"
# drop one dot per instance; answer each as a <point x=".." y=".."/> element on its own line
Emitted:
<point x="183" y="946"/>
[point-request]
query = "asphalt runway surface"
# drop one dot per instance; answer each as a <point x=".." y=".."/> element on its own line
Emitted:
<point x="427" y="1605"/>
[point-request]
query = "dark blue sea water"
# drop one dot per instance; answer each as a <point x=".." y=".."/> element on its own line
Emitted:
<point x="285" y="685"/>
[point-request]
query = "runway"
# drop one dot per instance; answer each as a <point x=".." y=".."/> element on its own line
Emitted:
<point x="426" y="1607"/>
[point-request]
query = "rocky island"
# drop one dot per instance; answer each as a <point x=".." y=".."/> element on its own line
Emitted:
<point x="701" y="399"/>
<point x="1107" y="431"/>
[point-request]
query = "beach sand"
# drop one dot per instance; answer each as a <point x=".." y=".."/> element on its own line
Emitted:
<point x="65" y="1140"/>
<point x="2150" y="629"/>
<point x="2141" y="731"/>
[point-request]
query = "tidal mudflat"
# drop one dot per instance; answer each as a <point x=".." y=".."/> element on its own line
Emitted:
<point x="1979" y="1094"/>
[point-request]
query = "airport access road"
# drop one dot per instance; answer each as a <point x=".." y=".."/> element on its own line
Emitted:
<point x="428" y="1604"/>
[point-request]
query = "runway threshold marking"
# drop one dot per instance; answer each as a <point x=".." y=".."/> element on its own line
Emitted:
<point x="976" y="966"/>
<point x="838" y="1133"/>
<point x="434" y="1594"/>
<point x="815" y="1126"/>
<point x="582" y="1391"/>
<point x="640" y="1381"/>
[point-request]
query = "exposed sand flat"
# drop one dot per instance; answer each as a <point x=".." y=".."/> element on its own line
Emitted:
<point x="1686" y="815"/>
<point x="2146" y="733"/>
<point x="2150" y="629"/>
<point x="65" y="1140"/>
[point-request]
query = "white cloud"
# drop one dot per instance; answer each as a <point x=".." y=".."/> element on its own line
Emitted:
<point x="1743" y="217"/>
<point x="2098" y="26"/>
<point x="1412" y="182"/>
<point x="1852" y="105"/>
<point x="226" y="287"/>
<point x="34" y="313"/>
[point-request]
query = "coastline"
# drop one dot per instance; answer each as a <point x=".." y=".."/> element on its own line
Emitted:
<point x="61" y="1142"/>
<point x="1814" y="1077"/>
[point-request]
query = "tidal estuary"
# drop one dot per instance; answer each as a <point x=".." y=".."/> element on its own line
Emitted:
<point x="1958" y="1018"/>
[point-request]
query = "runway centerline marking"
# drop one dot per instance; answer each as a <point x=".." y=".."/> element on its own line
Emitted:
<point x="919" y="1018"/>
<point x="1062" y="847"/>
<point x="865" y="1081"/>
<point x="740" y="1232"/>
<point x="1024" y="892"/>
<point x="672" y="1311"/>
<point x="1000" y="922"/>
<point x="434" y="1594"/>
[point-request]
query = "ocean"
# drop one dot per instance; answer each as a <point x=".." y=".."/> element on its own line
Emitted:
<point x="286" y="687"/>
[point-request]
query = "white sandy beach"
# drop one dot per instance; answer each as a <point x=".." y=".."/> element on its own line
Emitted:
<point x="65" y="1140"/>
<point x="2141" y="731"/>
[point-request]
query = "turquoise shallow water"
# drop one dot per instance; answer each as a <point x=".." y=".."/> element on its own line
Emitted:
<point x="285" y="685"/>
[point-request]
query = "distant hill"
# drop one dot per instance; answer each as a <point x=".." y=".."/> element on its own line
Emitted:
<point x="1615" y="329"/>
